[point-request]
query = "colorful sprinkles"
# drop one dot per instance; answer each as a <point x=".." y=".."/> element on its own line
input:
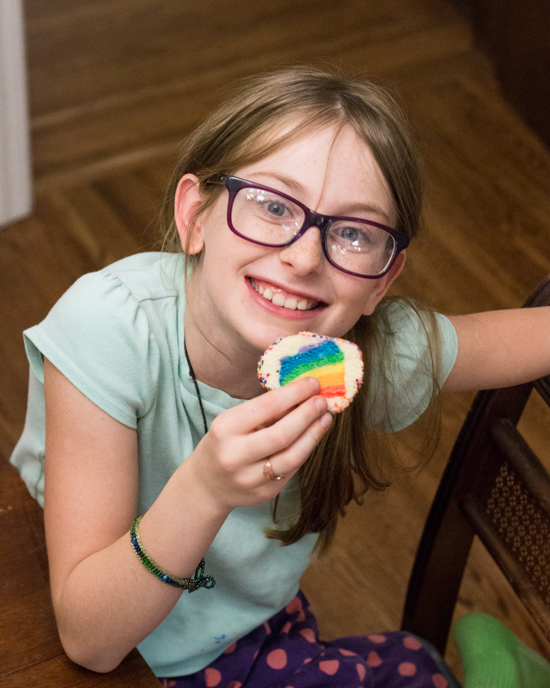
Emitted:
<point x="336" y="363"/>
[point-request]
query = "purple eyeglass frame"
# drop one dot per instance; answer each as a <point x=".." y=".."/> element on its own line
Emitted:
<point x="312" y="219"/>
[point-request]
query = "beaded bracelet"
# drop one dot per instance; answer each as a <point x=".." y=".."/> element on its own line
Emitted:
<point x="199" y="580"/>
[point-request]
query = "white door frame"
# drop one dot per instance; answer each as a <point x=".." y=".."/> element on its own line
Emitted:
<point x="15" y="159"/>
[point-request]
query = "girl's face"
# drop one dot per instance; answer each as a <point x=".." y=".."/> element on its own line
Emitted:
<point x="236" y="282"/>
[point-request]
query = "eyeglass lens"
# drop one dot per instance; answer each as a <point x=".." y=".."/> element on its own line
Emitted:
<point x="267" y="218"/>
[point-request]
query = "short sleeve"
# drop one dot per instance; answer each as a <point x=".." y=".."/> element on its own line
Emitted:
<point x="99" y="337"/>
<point x="418" y="349"/>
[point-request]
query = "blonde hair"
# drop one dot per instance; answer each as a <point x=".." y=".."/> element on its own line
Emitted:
<point x="246" y="129"/>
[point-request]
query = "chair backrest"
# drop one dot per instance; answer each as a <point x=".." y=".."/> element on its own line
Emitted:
<point x="495" y="487"/>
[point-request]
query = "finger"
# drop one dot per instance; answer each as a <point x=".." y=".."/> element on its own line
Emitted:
<point x="270" y="407"/>
<point x="287" y="462"/>
<point x="287" y="430"/>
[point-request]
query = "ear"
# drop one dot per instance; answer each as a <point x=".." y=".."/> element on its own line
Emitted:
<point x="384" y="283"/>
<point x="187" y="202"/>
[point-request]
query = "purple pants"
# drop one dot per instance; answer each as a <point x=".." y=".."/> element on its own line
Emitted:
<point x="285" y="651"/>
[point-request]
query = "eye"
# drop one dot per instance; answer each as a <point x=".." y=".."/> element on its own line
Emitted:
<point x="269" y="205"/>
<point x="357" y="237"/>
<point x="275" y="208"/>
<point x="349" y="234"/>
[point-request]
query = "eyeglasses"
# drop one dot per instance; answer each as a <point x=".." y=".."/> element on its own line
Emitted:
<point x="269" y="217"/>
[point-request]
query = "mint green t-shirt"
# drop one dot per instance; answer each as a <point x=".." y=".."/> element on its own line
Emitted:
<point x="117" y="335"/>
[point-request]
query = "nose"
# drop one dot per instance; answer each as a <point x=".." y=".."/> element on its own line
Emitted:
<point x="306" y="254"/>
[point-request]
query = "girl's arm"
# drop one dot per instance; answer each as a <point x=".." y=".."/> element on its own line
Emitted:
<point x="104" y="599"/>
<point x="500" y="349"/>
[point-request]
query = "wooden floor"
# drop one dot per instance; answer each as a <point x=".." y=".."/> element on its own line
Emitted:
<point x="115" y="84"/>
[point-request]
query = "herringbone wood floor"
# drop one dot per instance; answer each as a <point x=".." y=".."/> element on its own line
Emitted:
<point x="114" y="84"/>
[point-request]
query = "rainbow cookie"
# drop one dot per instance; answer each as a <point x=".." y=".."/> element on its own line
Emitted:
<point x="336" y="363"/>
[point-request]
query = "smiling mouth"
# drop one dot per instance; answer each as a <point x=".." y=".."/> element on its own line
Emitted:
<point x="278" y="297"/>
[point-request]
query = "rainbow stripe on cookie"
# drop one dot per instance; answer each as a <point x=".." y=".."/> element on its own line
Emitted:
<point x="336" y="363"/>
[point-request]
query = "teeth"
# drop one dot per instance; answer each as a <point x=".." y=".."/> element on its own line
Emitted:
<point x="279" y="300"/>
<point x="291" y="303"/>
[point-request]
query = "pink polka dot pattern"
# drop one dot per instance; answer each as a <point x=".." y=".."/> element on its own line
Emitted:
<point x="212" y="677"/>
<point x="285" y="651"/>
<point x="373" y="659"/>
<point x="329" y="666"/>
<point x="439" y="681"/>
<point x="362" y="672"/>
<point x="411" y="643"/>
<point x="308" y="634"/>
<point x="277" y="659"/>
<point x="346" y="653"/>
<point x="406" y="669"/>
<point x="293" y="606"/>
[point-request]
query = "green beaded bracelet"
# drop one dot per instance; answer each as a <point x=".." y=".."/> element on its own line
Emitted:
<point x="199" y="580"/>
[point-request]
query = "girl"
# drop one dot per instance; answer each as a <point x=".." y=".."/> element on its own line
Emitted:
<point x="293" y="204"/>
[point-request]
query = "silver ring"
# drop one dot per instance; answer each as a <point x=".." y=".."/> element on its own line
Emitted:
<point x="268" y="472"/>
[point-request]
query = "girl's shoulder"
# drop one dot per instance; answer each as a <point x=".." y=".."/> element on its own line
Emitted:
<point x="150" y="275"/>
<point x="119" y="296"/>
<point x="415" y="351"/>
<point x="108" y="332"/>
<point x="409" y="330"/>
<point x="111" y="300"/>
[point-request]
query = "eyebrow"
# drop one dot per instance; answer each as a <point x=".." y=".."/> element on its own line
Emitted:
<point x="291" y="183"/>
<point x="296" y="187"/>
<point x="365" y="208"/>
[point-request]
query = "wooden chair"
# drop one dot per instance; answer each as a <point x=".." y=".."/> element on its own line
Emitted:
<point x="494" y="487"/>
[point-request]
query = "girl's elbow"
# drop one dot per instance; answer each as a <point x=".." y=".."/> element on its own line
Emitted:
<point x="86" y="655"/>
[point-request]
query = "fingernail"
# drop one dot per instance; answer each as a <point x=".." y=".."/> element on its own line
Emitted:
<point x="320" y="404"/>
<point x="326" y="420"/>
<point x="314" y="382"/>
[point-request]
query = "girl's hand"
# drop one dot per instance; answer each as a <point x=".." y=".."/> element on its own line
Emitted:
<point x="282" y="426"/>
